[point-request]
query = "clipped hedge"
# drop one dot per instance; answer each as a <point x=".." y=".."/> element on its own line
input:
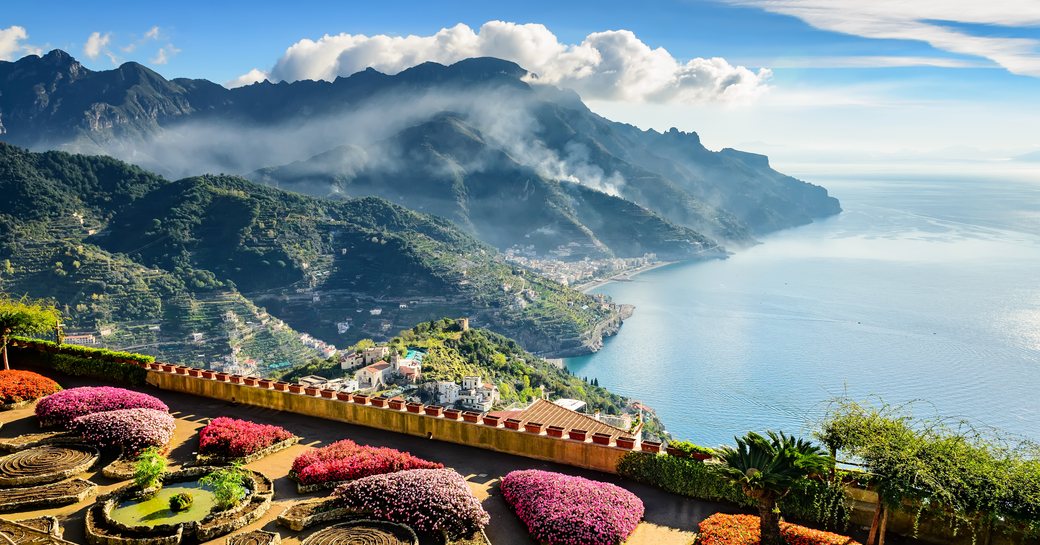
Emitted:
<point x="82" y="361"/>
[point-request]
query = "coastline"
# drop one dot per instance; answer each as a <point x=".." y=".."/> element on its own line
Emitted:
<point x="593" y="284"/>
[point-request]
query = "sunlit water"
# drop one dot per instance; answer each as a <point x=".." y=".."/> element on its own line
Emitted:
<point x="156" y="510"/>
<point x="921" y="290"/>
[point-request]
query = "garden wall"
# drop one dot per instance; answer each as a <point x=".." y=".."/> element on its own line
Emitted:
<point x="583" y="454"/>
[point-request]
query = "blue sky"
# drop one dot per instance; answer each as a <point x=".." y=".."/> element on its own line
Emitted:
<point x="843" y="78"/>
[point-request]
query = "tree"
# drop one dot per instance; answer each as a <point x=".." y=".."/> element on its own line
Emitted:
<point x="24" y="317"/>
<point x="767" y="468"/>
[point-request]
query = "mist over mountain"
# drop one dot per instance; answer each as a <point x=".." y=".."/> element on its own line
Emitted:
<point x="479" y="142"/>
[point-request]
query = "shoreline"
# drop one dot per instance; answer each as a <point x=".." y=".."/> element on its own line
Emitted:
<point x="586" y="287"/>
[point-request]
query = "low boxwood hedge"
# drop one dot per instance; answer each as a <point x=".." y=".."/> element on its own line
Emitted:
<point x="82" y="361"/>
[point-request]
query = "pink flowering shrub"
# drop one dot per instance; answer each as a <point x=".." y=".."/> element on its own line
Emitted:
<point x="346" y="460"/>
<point x="62" y="408"/>
<point x="564" y="510"/>
<point x="133" y="430"/>
<point x="233" y="438"/>
<point x="428" y="500"/>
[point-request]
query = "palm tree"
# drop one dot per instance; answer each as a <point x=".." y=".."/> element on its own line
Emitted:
<point x="767" y="468"/>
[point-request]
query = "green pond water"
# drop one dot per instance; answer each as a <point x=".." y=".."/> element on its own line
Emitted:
<point x="156" y="510"/>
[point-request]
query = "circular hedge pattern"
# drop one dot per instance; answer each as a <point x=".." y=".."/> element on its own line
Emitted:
<point x="363" y="533"/>
<point x="44" y="464"/>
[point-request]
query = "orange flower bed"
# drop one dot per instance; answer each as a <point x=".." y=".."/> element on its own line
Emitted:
<point x="720" y="529"/>
<point x="17" y="386"/>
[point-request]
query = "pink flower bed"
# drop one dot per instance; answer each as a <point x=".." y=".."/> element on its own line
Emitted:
<point x="62" y="408"/>
<point x="428" y="500"/>
<point x="346" y="460"/>
<point x="563" y="510"/>
<point x="132" y="430"/>
<point x="235" y="438"/>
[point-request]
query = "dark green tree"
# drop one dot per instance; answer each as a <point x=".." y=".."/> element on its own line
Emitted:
<point x="24" y="317"/>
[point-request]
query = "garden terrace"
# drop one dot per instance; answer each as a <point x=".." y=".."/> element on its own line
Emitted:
<point x="669" y="518"/>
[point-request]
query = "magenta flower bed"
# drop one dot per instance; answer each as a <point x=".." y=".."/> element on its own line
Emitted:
<point x="62" y="408"/>
<point x="346" y="460"/>
<point x="132" y="430"/>
<point x="564" y="510"/>
<point x="233" y="438"/>
<point x="428" y="500"/>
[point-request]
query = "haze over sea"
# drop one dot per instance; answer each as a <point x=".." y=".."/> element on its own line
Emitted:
<point x="923" y="289"/>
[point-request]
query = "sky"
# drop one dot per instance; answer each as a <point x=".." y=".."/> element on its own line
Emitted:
<point x="813" y="83"/>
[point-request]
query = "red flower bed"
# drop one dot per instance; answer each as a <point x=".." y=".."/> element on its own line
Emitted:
<point x="720" y="529"/>
<point x="346" y="460"/>
<point x="17" y="386"/>
<point x="233" y="438"/>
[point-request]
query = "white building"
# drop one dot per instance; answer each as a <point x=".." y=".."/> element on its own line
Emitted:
<point x="575" y="405"/>
<point x="447" y="393"/>
<point x="478" y="395"/>
<point x="374" y="354"/>
<point x="377" y="374"/>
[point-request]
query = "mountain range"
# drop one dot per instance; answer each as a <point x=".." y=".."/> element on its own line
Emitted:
<point x="481" y="143"/>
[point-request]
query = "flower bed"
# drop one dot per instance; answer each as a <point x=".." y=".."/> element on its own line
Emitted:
<point x="345" y="460"/>
<point x="62" y="408"/>
<point x="560" y="509"/>
<point x="430" y="501"/>
<point x="18" y="386"/>
<point x="233" y="438"/>
<point x="720" y="529"/>
<point x="129" y="429"/>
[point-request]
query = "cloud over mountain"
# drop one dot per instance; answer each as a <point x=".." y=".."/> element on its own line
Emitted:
<point x="11" y="43"/>
<point x="610" y="65"/>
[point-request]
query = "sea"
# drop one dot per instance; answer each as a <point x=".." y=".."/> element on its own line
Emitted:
<point x="924" y="293"/>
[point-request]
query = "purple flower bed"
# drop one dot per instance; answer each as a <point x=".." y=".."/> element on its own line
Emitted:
<point x="428" y="500"/>
<point x="132" y="430"/>
<point x="563" y="510"/>
<point x="62" y="408"/>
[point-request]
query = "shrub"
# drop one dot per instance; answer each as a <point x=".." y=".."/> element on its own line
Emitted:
<point x="428" y="500"/>
<point x="228" y="486"/>
<point x="17" y="386"/>
<point x="180" y="501"/>
<point x="84" y="351"/>
<point x="689" y="449"/>
<point x="60" y="409"/>
<point x="345" y="460"/>
<point x="233" y="438"/>
<point x="149" y="468"/>
<point x="129" y="429"/>
<point x="720" y="529"/>
<point x="564" y="510"/>
<point x="79" y="366"/>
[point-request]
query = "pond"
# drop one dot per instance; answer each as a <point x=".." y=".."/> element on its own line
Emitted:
<point x="156" y="509"/>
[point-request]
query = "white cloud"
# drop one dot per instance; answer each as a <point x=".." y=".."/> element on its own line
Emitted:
<point x="922" y="20"/>
<point x="876" y="61"/>
<point x="614" y="65"/>
<point x="153" y="33"/>
<point x="11" y="43"/>
<point x="248" y="78"/>
<point x="163" y="55"/>
<point x="97" y="43"/>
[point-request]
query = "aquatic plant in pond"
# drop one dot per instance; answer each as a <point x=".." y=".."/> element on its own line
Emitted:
<point x="228" y="486"/>
<point x="181" y="501"/>
<point x="560" y="509"/>
<point x="149" y="468"/>
<point x="62" y="408"/>
<point x="155" y="510"/>
<point x="345" y="460"/>
<point x="129" y="429"/>
<point x="233" y="438"/>
<point x="17" y="386"/>
<point x="427" y="500"/>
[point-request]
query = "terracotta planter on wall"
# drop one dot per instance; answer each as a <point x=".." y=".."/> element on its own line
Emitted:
<point x="236" y="379"/>
<point x="675" y="452"/>
<point x="281" y="386"/>
<point x="434" y="410"/>
<point x="470" y="416"/>
<point x="310" y="390"/>
<point x="492" y="421"/>
<point x="533" y="427"/>
<point x="601" y="438"/>
<point x="344" y="396"/>
<point x="251" y="381"/>
<point x="512" y="424"/>
<point x="265" y="383"/>
<point x="193" y="372"/>
<point x="554" y="431"/>
<point x="360" y="399"/>
<point x="626" y="442"/>
<point x="452" y="414"/>
<point x="221" y="376"/>
<point x="155" y="366"/>
<point x="328" y="394"/>
<point x="415" y="408"/>
<point x="650" y="446"/>
<point x="379" y="401"/>
<point x="578" y="435"/>
<point x="296" y="388"/>
<point x="207" y="375"/>
<point x="180" y="370"/>
<point x="396" y="404"/>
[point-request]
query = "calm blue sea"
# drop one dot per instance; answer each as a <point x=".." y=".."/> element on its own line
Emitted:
<point x="923" y="290"/>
